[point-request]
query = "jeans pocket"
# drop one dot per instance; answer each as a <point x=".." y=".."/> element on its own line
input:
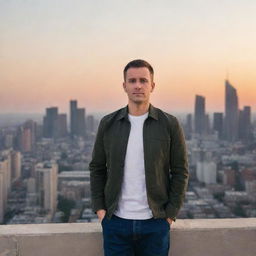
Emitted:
<point x="167" y="223"/>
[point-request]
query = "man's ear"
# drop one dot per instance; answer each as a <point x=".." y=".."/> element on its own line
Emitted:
<point x="124" y="86"/>
<point x="153" y="86"/>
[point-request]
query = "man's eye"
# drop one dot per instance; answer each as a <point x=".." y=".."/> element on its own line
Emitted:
<point x="143" y="80"/>
<point x="132" y="80"/>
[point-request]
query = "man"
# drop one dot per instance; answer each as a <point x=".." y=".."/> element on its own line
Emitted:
<point x="139" y="170"/>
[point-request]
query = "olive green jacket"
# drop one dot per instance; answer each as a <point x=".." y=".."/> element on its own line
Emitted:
<point x="165" y="157"/>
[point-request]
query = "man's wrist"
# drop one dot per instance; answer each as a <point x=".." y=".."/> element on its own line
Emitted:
<point x="101" y="213"/>
<point x="170" y="220"/>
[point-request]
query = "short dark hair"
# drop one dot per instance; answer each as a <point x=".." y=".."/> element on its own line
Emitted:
<point x="139" y="64"/>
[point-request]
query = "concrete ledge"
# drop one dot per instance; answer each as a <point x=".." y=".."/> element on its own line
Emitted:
<point x="197" y="237"/>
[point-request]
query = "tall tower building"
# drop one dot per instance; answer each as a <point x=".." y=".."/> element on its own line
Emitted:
<point x="15" y="165"/>
<point x="218" y="124"/>
<point x="245" y="125"/>
<point x="90" y="123"/>
<point x="77" y="120"/>
<point x="54" y="124"/>
<point x="50" y="122"/>
<point x="81" y="129"/>
<point x="32" y="126"/>
<point x="2" y="194"/>
<point x="207" y="126"/>
<point x="73" y="117"/>
<point x="188" y="126"/>
<point x="25" y="139"/>
<point x="5" y="156"/>
<point x="231" y="113"/>
<point x="46" y="185"/>
<point x="7" y="141"/>
<point x="200" y="118"/>
<point x="62" y="125"/>
<point x="4" y="184"/>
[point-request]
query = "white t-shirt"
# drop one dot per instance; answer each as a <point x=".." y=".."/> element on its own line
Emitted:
<point x="133" y="202"/>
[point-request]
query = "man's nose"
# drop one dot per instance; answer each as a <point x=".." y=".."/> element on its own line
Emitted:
<point x="138" y="84"/>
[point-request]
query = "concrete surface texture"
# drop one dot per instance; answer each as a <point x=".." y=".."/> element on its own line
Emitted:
<point x="197" y="237"/>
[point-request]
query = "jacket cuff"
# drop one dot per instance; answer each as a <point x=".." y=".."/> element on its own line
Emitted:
<point x="98" y="204"/>
<point x="171" y="212"/>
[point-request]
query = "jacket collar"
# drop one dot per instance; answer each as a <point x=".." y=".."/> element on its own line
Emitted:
<point x="152" y="112"/>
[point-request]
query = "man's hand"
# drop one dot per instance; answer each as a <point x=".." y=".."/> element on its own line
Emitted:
<point x="101" y="214"/>
<point x="169" y="220"/>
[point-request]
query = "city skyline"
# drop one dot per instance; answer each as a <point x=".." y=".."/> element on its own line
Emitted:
<point x="51" y="54"/>
<point x="227" y="84"/>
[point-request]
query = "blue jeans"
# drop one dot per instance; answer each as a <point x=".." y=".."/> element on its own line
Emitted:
<point x="125" y="237"/>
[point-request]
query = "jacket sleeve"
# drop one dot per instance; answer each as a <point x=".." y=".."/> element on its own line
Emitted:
<point x="178" y="170"/>
<point x="98" y="171"/>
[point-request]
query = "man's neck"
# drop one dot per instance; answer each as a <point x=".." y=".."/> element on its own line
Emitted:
<point x="138" y="109"/>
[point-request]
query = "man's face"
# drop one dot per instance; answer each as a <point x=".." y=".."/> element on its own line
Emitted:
<point x="138" y="85"/>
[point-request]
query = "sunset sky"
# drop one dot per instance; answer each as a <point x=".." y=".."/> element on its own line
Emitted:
<point x="54" y="51"/>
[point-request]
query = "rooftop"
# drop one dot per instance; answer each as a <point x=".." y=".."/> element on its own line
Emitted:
<point x="193" y="237"/>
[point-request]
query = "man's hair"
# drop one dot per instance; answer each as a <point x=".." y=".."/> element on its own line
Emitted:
<point x="139" y="64"/>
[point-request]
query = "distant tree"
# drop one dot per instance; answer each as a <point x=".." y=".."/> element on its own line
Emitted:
<point x="235" y="165"/>
<point x="63" y="168"/>
<point x="190" y="215"/>
<point x="239" y="211"/>
<point x="64" y="156"/>
<point x="65" y="205"/>
<point x="219" y="196"/>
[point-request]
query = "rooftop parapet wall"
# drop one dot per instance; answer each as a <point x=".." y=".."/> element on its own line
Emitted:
<point x="190" y="237"/>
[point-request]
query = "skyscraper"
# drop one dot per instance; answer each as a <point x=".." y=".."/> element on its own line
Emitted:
<point x="81" y="130"/>
<point x="245" y="126"/>
<point x="188" y="126"/>
<point x="5" y="180"/>
<point x="54" y="124"/>
<point x="15" y="165"/>
<point x="50" y="122"/>
<point x="32" y="126"/>
<point x="73" y="117"/>
<point x="62" y="125"/>
<point x="200" y="118"/>
<point x="24" y="136"/>
<point x="218" y="124"/>
<point x="46" y="185"/>
<point x="231" y="113"/>
<point x="90" y="123"/>
<point x="3" y="187"/>
<point x="77" y="120"/>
